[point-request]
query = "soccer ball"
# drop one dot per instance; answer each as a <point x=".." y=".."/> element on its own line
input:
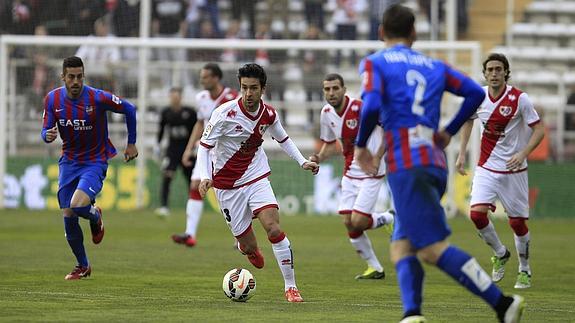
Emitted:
<point x="239" y="284"/>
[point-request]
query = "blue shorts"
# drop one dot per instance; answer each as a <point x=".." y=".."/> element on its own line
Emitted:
<point x="86" y="177"/>
<point x="420" y="217"/>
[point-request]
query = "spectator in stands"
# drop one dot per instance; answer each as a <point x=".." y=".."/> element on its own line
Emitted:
<point x="314" y="14"/>
<point x="376" y="9"/>
<point x="273" y="61"/>
<point x="168" y="21"/>
<point x="206" y="31"/>
<point x="462" y="17"/>
<point x="197" y="12"/>
<point x="85" y="14"/>
<point x="313" y="65"/>
<point x="126" y="18"/>
<point x="278" y="11"/>
<point x="345" y="18"/>
<point x="16" y="17"/>
<point x="241" y="7"/>
<point x="99" y="58"/>
<point x="53" y="14"/>
<point x="234" y="31"/>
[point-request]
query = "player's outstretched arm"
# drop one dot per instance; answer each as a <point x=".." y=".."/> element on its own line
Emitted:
<point x="365" y="160"/>
<point x="464" y="140"/>
<point x="517" y="159"/>
<point x="311" y="166"/>
<point x="327" y="150"/>
<point x="131" y="152"/>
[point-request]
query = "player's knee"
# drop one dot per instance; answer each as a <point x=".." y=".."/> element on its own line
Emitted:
<point x="479" y="218"/>
<point x="274" y="232"/>
<point x="346" y="219"/>
<point x="195" y="184"/>
<point x="68" y="213"/>
<point x="519" y="226"/>
<point x="360" y="222"/>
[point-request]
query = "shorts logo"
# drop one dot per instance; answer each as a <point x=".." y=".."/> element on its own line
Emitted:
<point x="505" y="110"/>
<point x="351" y="123"/>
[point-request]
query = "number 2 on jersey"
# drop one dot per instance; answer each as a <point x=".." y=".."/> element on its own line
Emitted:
<point x="413" y="77"/>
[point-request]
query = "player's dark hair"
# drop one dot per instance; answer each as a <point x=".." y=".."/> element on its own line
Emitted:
<point x="398" y="22"/>
<point x="333" y="77"/>
<point x="72" y="61"/>
<point x="501" y="58"/>
<point x="214" y="69"/>
<point x="176" y="89"/>
<point x="255" y="71"/>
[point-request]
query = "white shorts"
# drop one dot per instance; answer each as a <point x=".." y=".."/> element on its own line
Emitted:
<point x="359" y="195"/>
<point x="512" y="189"/>
<point x="239" y="206"/>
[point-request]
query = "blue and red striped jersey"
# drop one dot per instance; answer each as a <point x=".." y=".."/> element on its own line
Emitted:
<point x="83" y="123"/>
<point x="402" y="89"/>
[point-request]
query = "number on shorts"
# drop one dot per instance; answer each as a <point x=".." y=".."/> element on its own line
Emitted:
<point x="227" y="215"/>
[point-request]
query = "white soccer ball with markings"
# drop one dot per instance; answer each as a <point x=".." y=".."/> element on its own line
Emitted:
<point x="239" y="285"/>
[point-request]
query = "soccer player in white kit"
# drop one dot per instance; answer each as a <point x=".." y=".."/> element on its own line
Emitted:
<point x="340" y="121"/>
<point x="511" y="129"/>
<point x="213" y="95"/>
<point x="239" y="170"/>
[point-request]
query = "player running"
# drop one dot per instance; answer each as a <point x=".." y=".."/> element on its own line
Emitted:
<point x="511" y="130"/>
<point x="213" y="95"/>
<point x="239" y="171"/>
<point x="79" y="114"/>
<point x="403" y="88"/>
<point x="340" y="121"/>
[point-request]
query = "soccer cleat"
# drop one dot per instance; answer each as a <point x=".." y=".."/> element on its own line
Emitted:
<point x="184" y="239"/>
<point x="371" y="273"/>
<point x="79" y="272"/>
<point x="499" y="266"/>
<point x="98" y="229"/>
<point x="293" y="295"/>
<point x="162" y="211"/>
<point x="523" y="280"/>
<point x="256" y="258"/>
<point x="389" y="226"/>
<point x="513" y="312"/>
<point x="413" y="319"/>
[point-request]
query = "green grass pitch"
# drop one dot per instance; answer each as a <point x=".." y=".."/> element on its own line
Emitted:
<point x="140" y="275"/>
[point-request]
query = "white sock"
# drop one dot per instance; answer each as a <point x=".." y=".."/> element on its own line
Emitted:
<point x="381" y="219"/>
<point x="194" y="210"/>
<point x="489" y="235"/>
<point x="522" y="246"/>
<point x="362" y="245"/>
<point x="284" y="257"/>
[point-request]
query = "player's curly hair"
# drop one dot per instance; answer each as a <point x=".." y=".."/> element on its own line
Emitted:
<point x="253" y="70"/>
<point x="398" y="21"/>
<point x="501" y="58"/>
<point x="72" y="61"/>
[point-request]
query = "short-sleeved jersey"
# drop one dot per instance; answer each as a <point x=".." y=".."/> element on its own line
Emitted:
<point x="83" y="124"/>
<point x="236" y="135"/>
<point x="344" y="126"/>
<point x="179" y="123"/>
<point x="206" y="104"/>
<point x="410" y="106"/>
<point x="505" y="127"/>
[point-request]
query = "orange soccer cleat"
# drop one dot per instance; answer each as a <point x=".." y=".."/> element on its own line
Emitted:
<point x="293" y="295"/>
<point x="98" y="229"/>
<point x="79" y="272"/>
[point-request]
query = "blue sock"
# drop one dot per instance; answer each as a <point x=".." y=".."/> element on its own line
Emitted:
<point x="87" y="212"/>
<point x="467" y="272"/>
<point x="410" y="278"/>
<point x="75" y="239"/>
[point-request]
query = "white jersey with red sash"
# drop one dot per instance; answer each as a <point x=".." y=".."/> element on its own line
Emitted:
<point x="505" y="127"/>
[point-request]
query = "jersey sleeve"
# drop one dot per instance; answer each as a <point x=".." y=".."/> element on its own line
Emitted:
<point x="201" y="113"/>
<point x="527" y="110"/>
<point x="48" y="117"/>
<point x="113" y="103"/>
<point x="212" y="131"/>
<point x="277" y="131"/>
<point x="326" y="132"/>
<point x="371" y="95"/>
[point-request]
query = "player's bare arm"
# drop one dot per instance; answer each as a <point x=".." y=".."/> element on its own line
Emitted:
<point x="311" y="166"/>
<point x="205" y="185"/>
<point x="327" y="150"/>
<point x="130" y="153"/>
<point x="192" y="142"/>
<point x="52" y="134"/>
<point x="465" y="134"/>
<point x="442" y="138"/>
<point x="517" y="159"/>
<point x="364" y="159"/>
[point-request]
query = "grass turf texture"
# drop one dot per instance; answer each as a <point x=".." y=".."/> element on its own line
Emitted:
<point x="140" y="275"/>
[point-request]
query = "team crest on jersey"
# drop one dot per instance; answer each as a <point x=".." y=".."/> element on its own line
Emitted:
<point x="89" y="109"/>
<point x="263" y="128"/>
<point x="351" y="123"/>
<point x="231" y="114"/>
<point x="354" y="108"/>
<point x="505" y="110"/>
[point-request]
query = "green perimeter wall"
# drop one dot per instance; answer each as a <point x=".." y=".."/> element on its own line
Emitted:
<point x="33" y="183"/>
